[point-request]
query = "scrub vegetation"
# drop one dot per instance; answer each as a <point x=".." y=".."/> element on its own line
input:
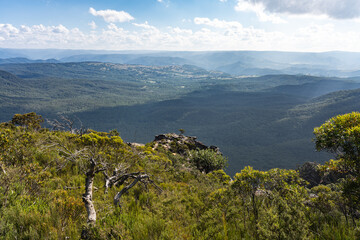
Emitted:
<point x="80" y="183"/>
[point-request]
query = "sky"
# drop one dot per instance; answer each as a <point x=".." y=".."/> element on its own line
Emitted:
<point x="186" y="25"/>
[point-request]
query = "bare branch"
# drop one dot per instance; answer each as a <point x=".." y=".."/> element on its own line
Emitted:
<point x="138" y="177"/>
<point x="117" y="175"/>
<point x="156" y="186"/>
<point x="2" y="168"/>
<point x="101" y="170"/>
<point x="66" y="124"/>
<point x="124" y="190"/>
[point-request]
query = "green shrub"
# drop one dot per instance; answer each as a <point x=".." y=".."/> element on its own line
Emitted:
<point x="208" y="160"/>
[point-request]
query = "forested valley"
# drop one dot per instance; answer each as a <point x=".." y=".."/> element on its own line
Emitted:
<point x="262" y="121"/>
<point x="214" y="145"/>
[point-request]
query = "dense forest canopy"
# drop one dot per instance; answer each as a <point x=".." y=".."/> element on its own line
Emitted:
<point x="262" y="121"/>
<point x="80" y="183"/>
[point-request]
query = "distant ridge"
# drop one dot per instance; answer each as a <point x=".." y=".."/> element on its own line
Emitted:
<point x="244" y="63"/>
<point x="26" y="60"/>
<point x="130" y="59"/>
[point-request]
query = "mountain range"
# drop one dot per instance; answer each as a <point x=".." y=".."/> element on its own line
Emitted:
<point x="248" y="63"/>
<point x="264" y="121"/>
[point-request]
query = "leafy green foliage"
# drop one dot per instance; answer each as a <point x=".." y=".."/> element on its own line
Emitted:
<point x="42" y="180"/>
<point x="341" y="136"/>
<point x="207" y="160"/>
<point x="29" y="120"/>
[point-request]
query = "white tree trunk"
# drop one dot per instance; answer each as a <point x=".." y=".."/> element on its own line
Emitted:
<point x="87" y="196"/>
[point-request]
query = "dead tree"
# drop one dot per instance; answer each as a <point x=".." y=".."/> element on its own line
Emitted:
<point x="119" y="177"/>
<point x="92" y="161"/>
<point x="66" y="124"/>
<point x="94" y="167"/>
<point x="88" y="195"/>
<point x="140" y="177"/>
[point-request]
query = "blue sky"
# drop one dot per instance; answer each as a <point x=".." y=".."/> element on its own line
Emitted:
<point x="283" y="25"/>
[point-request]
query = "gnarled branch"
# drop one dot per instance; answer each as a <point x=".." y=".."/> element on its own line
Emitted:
<point x="138" y="177"/>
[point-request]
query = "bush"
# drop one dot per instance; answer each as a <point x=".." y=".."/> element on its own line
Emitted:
<point x="29" y="120"/>
<point x="207" y="160"/>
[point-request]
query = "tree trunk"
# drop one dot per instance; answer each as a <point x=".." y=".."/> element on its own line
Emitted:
<point x="256" y="215"/>
<point x="124" y="190"/>
<point x="87" y="196"/>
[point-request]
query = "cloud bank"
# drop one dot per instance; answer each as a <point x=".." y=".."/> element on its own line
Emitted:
<point x="337" y="9"/>
<point x="205" y="34"/>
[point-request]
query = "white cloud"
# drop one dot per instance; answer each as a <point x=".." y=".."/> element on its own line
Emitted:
<point x="259" y="10"/>
<point x="145" y="25"/>
<point x="40" y="36"/>
<point x="112" y="15"/>
<point x="213" y="34"/>
<point x="178" y="30"/>
<point x="25" y="29"/>
<point x="217" y="23"/>
<point x="338" y="9"/>
<point x="60" y="29"/>
<point x="93" y="25"/>
<point x="8" y="30"/>
<point x="228" y="35"/>
<point x="113" y="36"/>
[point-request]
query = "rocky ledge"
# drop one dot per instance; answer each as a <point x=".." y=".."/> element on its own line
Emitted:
<point x="180" y="144"/>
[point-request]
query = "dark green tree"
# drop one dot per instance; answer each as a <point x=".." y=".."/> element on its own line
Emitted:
<point x="28" y="120"/>
<point x="340" y="135"/>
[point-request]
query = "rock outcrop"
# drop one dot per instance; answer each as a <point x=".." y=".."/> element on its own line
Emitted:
<point x="134" y="145"/>
<point x="180" y="144"/>
<point x="310" y="172"/>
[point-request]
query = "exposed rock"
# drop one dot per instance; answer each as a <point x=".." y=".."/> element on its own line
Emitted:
<point x="180" y="144"/>
<point x="332" y="177"/>
<point x="310" y="172"/>
<point x="135" y="144"/>
<point x="262" y="193"/>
